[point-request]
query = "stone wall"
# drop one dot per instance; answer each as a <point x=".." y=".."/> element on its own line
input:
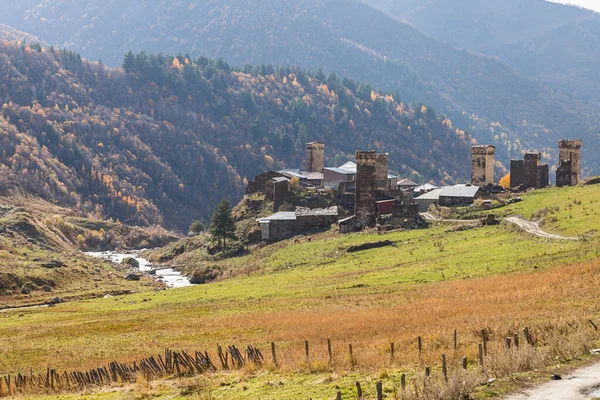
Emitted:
<point x="517" y="173"/>
<point x="569" y="150"/>
<point x="563" y="173"/>
<point x="483" y="164"/>
<point x="543" y="176"/>
<point x="277" y="191"/>
<point x="315" y="157"/>
<point x="258" y="184"/>
<point x="531" y="162"/>
<point x="370" y="168"/>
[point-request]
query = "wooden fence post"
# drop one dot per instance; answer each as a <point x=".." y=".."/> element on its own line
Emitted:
<point x="379" y="388"/>
<point x="516" y="339"/>
<point x="484" y="338"/>
<point x="273" y="354"/>
<point x="339" y="396"/>
<point x="420" y="344"/>
<point x="306" y="349"/>
<point x="480" y="348"/>
<point x="351" y="356"/>
<point x="392" y="351"/>
<point x="528" y="338"/>
<point x="455" y="340"/>
<point x="359" y="391"/>
<point x="329" y="350"/>
<point x="403" y="381"/>
<point x="427" y="371"/>
<point x="508" y="342"/>
<point x="444" y="367"/>
<point x="464" y="363"/>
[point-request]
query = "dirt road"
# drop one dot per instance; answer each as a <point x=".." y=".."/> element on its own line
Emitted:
<point x="534" y="229"/>
<point x="582" y="384"/>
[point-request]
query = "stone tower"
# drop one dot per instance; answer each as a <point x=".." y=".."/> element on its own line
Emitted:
<point x="482" y="173"/>
<point x="569" y="170"/>
<point x="531" y="163"/>
<point x="371" y="178"/>
<point x="315" y="157"/>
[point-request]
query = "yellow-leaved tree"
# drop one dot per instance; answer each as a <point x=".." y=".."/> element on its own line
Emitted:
<point x="505" y="181"/>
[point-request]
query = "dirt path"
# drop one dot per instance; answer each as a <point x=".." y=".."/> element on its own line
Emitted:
<point x="534" y="229"/>
<point x="582" y="384"/>
<point x="431" y="217"/>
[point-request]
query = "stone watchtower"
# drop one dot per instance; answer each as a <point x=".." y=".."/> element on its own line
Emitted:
<point x="531" y="163"/>
<point x="569" y="170"/>
<point x="482" y="173"/>
<point x="371" y="178"/>
<point x="315" y="157"/>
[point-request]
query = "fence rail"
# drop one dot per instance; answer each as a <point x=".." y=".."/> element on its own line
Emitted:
<point x="176" y="364"/>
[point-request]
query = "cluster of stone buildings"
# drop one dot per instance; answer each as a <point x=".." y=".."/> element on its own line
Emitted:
<point x="529" y="172"/>
<point x="376" y="196"/>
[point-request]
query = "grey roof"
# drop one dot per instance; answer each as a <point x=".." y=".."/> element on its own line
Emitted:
<point x="431" y="195"/>
<point x="407" y="182"/>
<point x="312" y="176"/>
<point x="459" y="191"/>
<point x="349" y="166"/>
<point x="347" y="220"/>
<point x="280" y="216"/>
<point x="280" y="179"/>
<point x="341" y="171"/>
<point x="306" y="212"/>
<point x="425" y="188"/>
<point x="292" y="173"/>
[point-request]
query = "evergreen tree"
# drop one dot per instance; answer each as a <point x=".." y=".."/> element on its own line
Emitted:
<point x="197" y="227"/>
<point x="222" y="226"/>
<point x="129" y="62"/>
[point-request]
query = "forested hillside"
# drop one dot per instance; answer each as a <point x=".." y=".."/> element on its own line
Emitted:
<point x="480" y="94"/>
<point x="164" y="139"/>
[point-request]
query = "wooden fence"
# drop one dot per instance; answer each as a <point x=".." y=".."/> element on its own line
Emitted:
<point x="176" y="364"/>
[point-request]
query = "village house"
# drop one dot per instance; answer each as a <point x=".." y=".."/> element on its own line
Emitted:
<point x="428" y="199"/>
<point x="285" y="224"/>
<point x="459" y="195"/>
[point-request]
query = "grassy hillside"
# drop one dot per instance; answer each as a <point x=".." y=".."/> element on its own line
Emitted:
<point x="428" y="284"/>
<point x="34" y="232"/>
<point x="165" y="140"/>
<point x="480" y="94"/>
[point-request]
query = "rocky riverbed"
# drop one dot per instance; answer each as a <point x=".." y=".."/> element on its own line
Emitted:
<point x="171" y="277"/>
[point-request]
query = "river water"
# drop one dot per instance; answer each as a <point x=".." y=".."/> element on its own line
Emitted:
<point x="171" y="277"/>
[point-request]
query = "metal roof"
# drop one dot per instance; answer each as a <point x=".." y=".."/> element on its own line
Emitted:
<point x="459" y="191"/>
<point x="349" y="166"/>
<point x="431" y="195"/>
<point x="292" y="173"/>
<point x="312" y="176"/>
<point x="407" y="182"/>
<point x="280" y="216"/>
<point x="341" y="171"/>
<point x="426" y="187"/>
<point x="390" y="176"/>
<point x="280" y="179"/>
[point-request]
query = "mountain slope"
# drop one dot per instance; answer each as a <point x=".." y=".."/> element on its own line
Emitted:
<point x="553" y="43"/>
<point x="166" y="140"/>
<point x="482" y="95"/>
<point x="10" y="33"/>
